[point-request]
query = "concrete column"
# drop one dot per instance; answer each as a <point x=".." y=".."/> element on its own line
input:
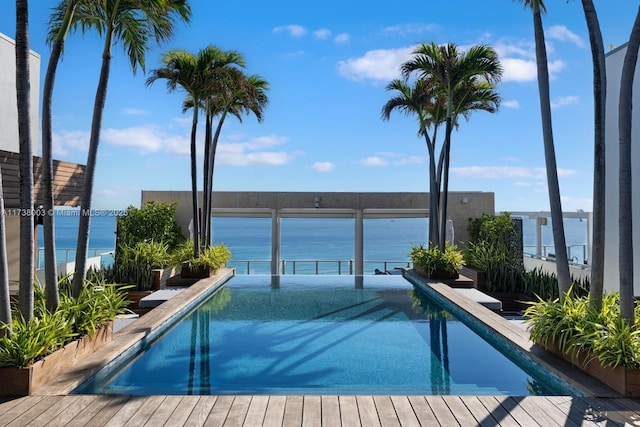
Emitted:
<point x="359" y="243"/>
<point x="275" y="242"/>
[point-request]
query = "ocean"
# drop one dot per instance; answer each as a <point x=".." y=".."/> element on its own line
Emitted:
<point x="306" y="239"/>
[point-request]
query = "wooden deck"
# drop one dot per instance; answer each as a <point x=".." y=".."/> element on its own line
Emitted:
<point x="54" y="406"/>
<point x="366" y="411"/>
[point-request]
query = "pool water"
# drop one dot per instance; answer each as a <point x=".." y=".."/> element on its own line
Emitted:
<point x="321" y="335"/>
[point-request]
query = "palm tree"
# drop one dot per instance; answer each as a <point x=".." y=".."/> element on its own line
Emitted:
<point x="23" y="92"/>
<point x="419" y="100"/>
<point x="241" y="95"/>
<point x="5" y="304"/>
<point x="562" y="262"/>
<point x="191" y="73"/>
<point x="59" y="25"/>
<point x="625" y="257"/>
<point x="133" y="23"/>
<point x="600" y="101"/>
<point x="452" y="70"/>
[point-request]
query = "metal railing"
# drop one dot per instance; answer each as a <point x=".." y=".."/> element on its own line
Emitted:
<point x="577" y="253"/>
<point x="69" y="255"/>
<point x="317" y="267"/>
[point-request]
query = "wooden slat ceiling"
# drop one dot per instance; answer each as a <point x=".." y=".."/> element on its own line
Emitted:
<point x="67" y="185"/>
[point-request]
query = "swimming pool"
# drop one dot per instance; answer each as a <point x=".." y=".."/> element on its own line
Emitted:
<point x="320" y="335"/>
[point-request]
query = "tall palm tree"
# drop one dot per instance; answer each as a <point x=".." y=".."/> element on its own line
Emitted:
<point x="242" y="95"/>
<point x="5" y="304"/>
<point x="452" y="70"/>
<point x="596" y="281"/>
<point x="59" y="25"/>
<point x="191" y="73"/>
<point x="133" y="23"/>
<point x="625" y="256"/>
<point x="419" y="99"/>
<point x="23" y="92"/>
<point x="559" y="242"/>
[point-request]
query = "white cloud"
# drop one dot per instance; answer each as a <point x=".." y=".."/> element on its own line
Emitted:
<point x="293" y="30"/>
<point x="322" y="34"/>
<point x="380" y="64"/>
<point x="509" y="172"/>
<point x="564" y="101"/>
<point x="66" y="141"/>
<point x="375" y="161"/>
<point x="148" y="139"/>
<point x="562" y="33"/>
<point x="411" y="28"/>
<point x="511" y="104"/>
<point x="411" y="160"/>
<point x="134" y="111"/>
<point x="518" y="70"/>
<point x="323" y="166"/>
<point x="342" y="38"/>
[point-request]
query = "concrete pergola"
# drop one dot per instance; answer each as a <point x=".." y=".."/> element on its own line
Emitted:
<point x="462" y="207"/>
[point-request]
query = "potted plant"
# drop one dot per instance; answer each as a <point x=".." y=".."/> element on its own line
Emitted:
<point x="210" y="260"/>
<point x="41" y="349"/>
<point x="436" y="264"/>
<point x="600" y="343"/>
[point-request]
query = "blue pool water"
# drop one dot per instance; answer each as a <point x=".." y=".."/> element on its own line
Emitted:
<point x="321" y="335"/>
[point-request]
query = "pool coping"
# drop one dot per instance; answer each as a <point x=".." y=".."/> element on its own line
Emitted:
<point x="144" y="329"/>
<point x="517" y="337"/>
<point x="148" y="326"/>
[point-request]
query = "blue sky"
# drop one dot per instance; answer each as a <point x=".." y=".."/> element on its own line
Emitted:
<point x="328" y="64"/>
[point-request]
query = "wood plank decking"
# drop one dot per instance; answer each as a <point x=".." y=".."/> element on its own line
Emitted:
<point x="308" y="411"/>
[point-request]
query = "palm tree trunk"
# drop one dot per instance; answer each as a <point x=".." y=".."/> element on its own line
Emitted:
<point x="599" y="190"/>
<point x="23" y="91"/>
<point x="194" y="184"/>
<point x="444" y="195"/>
<point x="82" y="248"/>
<point x="562" y="262"/>
<point x="625" y="106"/>
<point x="433" y="195"/>
<point x="206" y="189"/>
<point x="5" y="304"/>
<point x="212" y="162"/>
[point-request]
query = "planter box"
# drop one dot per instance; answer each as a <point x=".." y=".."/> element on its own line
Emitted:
<point x="160" y="276"/>
<point x="623" y="380"/>
<point x="134" y="298"/>
<point x="478" y="276"/>
<point x="25" y="381"/>
<point x="196" y="273"/>
<point x="436" y="274"/>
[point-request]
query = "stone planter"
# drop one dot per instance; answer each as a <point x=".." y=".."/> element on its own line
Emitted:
<point x="26" y="381"/>
<point x="623" y="380"/>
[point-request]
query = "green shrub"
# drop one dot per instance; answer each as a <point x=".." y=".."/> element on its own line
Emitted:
<point x="432" y="259"/>
<point x="572" y="324"/>
<point x="30" y="341"/>
<point x="154" y="221"/>
<point x="491" y="241"/>
<point x="213" y="256"/>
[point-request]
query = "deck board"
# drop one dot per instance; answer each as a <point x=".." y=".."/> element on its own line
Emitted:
<point x="367" y="411"/>
<point x="274" y="413"/>
<point x="312" y="411"/>
<point x="330" y="409"/>
<point x="293" y="411"/>
<point x="238" y="411"/>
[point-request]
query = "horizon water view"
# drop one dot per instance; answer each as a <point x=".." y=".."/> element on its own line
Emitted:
<point x="304" y="239"/>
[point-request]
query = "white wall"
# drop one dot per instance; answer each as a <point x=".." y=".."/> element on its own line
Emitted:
<point x="8" y="107"/>
<point x="614" y="62"/>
